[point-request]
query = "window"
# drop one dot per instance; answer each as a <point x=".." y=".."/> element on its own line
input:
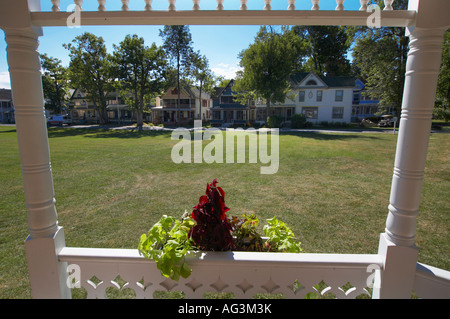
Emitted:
<point x="338" y="112"/>
<point x="216" y="115"/>
<point x="311" y="82"/>
<point x="310" y="112"/>
<point x="319" y="96"/>
<point x="339" y="96"/>
<point x="301" y="96"/>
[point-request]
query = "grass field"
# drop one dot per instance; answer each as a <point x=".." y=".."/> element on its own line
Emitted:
<point x="111" y="186"/>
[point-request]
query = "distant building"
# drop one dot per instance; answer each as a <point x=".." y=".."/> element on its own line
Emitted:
<point x="318" y="98"/>
<point x="226" y="111"/>
<point x="362" y="106"/>
<point x="83" y="110"/>
<point x="191" y="107"/>
<point x="6" y="106"/>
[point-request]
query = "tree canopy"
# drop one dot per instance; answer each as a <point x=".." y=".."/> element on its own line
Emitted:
<point x="90" y="69"/>
<point x="140" y="71"/>
<point x="55" y="83"/>
<point x="268" y="64"/>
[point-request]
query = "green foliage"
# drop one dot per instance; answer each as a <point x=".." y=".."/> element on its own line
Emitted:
<point x="298" y="121"/>
<point x="247" y="236"/>
<point x="55" y="83"/>
<point x="274" y="121"/>
<point x="90" y="69"/>
<point x="141" y="72"/>
<point x="327" y="48"/>
<point x="268" y="64"/>
<point x="281" y="237"/>
<point x="442" y="109"/>
<point x="167" y="243"/>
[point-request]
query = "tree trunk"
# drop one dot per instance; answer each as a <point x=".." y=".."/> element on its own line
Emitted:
<point x="140" y="113"/>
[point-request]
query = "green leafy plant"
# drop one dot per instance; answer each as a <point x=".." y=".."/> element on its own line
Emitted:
<point x="209" y="228"/>
<point x="246" y="234"/>
<point x="280" y="237"/>
<point x="167" y="243"/>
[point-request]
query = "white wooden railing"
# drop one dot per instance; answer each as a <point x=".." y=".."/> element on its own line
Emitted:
<point x="222" y="15"/>
<point x="243" y="274"/>
<point x="147" y="4"/>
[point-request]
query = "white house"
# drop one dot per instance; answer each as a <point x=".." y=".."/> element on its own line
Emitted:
<point x="318" y="98"/>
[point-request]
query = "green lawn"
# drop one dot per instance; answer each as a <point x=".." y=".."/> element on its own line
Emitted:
<point x="111" y="186"/>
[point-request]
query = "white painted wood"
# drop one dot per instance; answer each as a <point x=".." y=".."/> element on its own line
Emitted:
<point x="101" y="5"/>
<point x="291" y="5"/>
<point x="243" y="5"/>
<point x="363" y="5"/>
<point x="339" y="5"/>
<point x="48" y="277"/>
<point x="225" y="17"/>
<point x="315" y="4"/>
<point x="55" y="7"/>
<point x="431" y="282"/>
<point x="241" y="273"/>
<point x="220" y="5"/>
<point x="148" y="5"/>
<point x="388" y="4"/>
<point x="79" y="3"/>
<point x="399" y="269"/>
<point x="125" y="5"/>
<point x="196" y="4"/>
<point x="422" y="70"/>
<point x="172" y="5"/>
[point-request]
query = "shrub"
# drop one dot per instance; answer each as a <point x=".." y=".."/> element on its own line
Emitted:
<point x="298" y="121"/>
<point x="274" y="121"/>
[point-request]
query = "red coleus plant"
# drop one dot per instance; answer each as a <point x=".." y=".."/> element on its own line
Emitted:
<point x="213" y="229"/>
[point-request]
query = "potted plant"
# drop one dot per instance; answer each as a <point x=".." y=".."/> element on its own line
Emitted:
<point x="208" y="228"/>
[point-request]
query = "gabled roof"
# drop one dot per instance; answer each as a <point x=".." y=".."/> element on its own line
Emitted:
<point x="301" y="78"/>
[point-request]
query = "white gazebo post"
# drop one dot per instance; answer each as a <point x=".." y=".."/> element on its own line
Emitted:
<point x="47" y="276"/>
<point x="422" y="69"/>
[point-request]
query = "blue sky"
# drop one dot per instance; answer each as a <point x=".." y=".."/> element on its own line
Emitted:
<point x="220" y="44"/>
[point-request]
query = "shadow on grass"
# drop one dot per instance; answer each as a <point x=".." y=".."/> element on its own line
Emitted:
<point x="329" y="136"/>
<point x="99" y="132"/>
<point x="104" y="133"/>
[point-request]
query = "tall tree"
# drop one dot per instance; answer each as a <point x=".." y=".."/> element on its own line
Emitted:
<point x="201" y="74"/>
<point x="380" y="55"/>
<point x="178" y="45"/>
<point x="140" y="71"/>
<point x="90" y="70"/>
<point x="268" y="64"/>
<point x="327" y="48"/>
<point x="55" y="83"/>
<point x="442" y="110"/>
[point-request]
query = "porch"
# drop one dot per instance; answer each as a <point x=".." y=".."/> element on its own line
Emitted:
<point x="393" y="271"/>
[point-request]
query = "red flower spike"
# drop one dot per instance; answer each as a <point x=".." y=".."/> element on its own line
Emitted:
<point x="213" y="229"/>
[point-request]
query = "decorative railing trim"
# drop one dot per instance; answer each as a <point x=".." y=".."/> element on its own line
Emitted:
<point x="401" y="18"/>
<point x="74" y="254"/>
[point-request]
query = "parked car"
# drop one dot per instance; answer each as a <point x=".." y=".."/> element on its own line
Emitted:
<point x="386" y="121"/>
<point x="59" y="120"/>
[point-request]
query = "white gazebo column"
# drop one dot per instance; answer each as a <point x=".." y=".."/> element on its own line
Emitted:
<point x="47" y="276"/>
<point x="397" y="244"/>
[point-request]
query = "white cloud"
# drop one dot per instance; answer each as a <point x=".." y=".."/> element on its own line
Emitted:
<point x="4" y="80"/>
<point x="226" y="70"/>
